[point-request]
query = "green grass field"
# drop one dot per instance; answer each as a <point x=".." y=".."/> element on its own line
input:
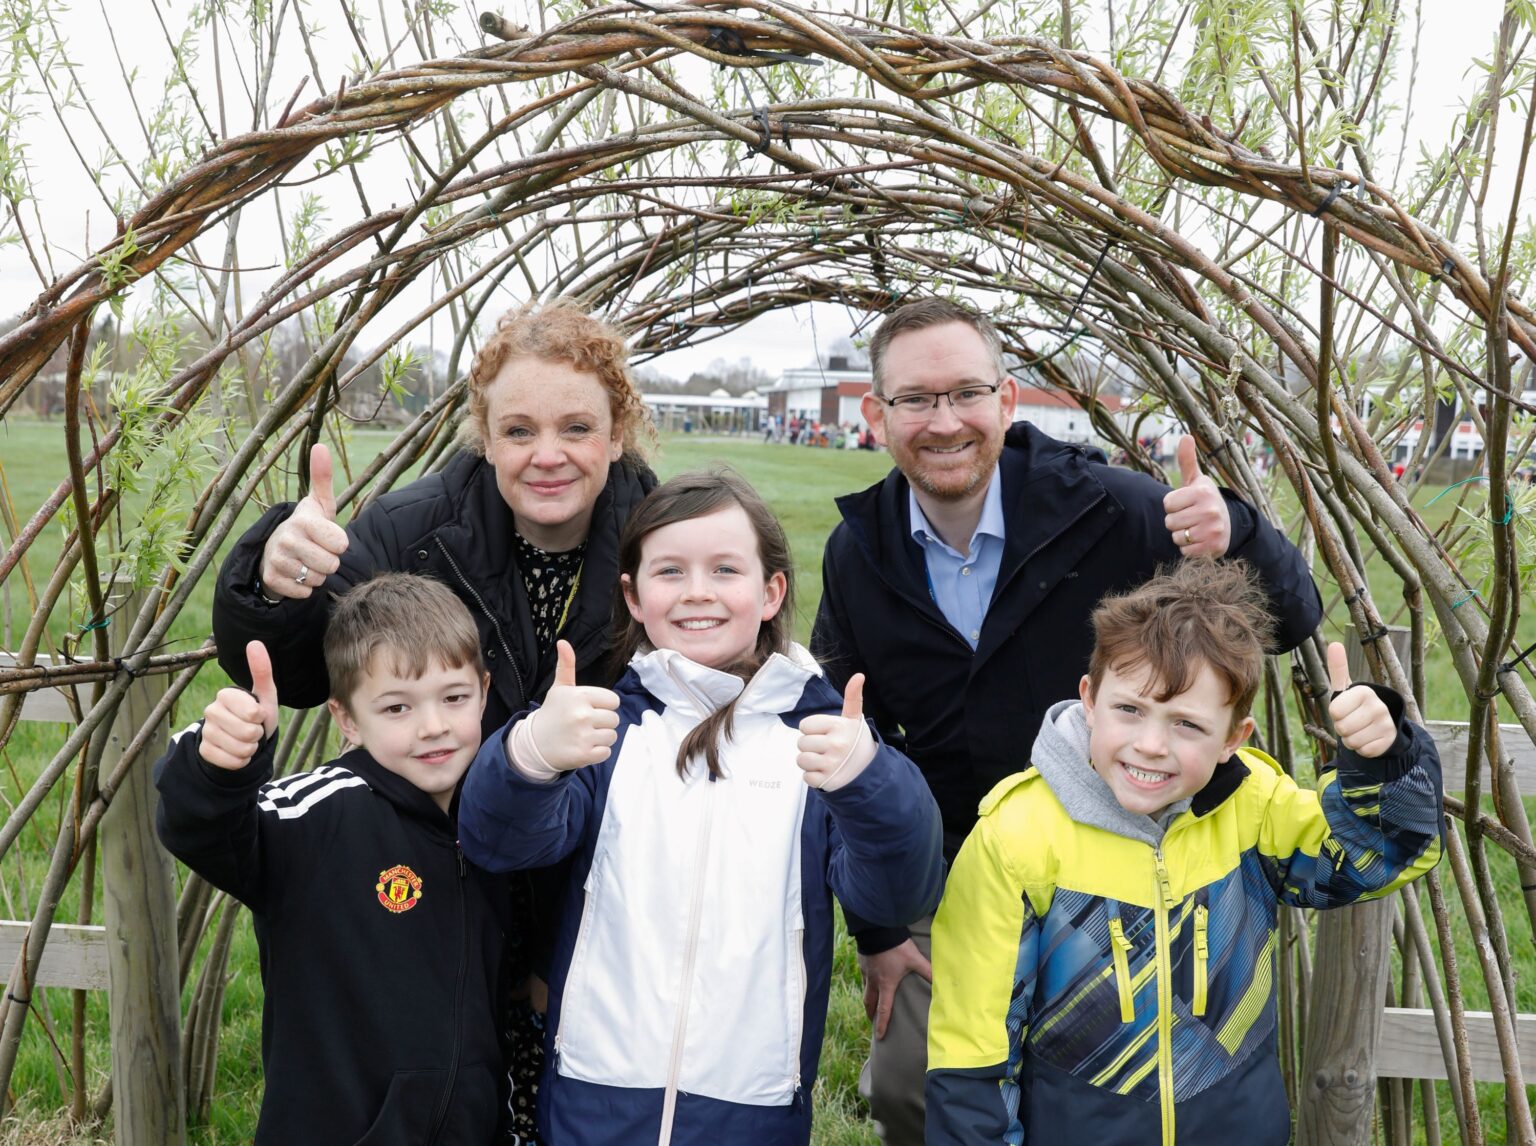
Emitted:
<point x="801" y="485"/>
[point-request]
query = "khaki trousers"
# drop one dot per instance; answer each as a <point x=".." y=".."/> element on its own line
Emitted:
<point x="893" y="1075"/>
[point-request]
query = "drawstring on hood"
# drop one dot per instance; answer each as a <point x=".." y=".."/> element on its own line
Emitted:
<point x="1061" y="755"/>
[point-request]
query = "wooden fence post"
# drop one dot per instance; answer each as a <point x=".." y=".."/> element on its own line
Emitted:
<point x="140" y="918"/>
<point x="1350" y="975"/>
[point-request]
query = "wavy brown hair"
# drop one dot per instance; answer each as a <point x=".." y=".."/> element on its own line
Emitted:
<point x="560" y="331"/>
<point x="1200" y="611"/>
<point x="698" y="494"/>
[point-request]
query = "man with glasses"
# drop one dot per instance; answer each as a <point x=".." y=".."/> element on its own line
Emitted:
<point x="962" y="585"/>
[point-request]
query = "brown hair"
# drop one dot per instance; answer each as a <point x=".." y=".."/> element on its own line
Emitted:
<point x="415" y="620"/>
<point x="922" y="314"/>
<point x="684" y="498"/>
<point x="560" y="331"/>
<point x="1200" y="611"/>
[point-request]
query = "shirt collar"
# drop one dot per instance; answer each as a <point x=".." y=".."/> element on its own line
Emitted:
<point x="990" y="524"/>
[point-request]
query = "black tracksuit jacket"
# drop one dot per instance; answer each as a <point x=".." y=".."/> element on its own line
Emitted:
<point x="381" y="948"/>
<point x="1076" y="530"/>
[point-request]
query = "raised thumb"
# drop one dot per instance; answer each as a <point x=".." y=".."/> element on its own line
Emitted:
<point x="853" y="698"/>
<point x="1189" y="461"/>
<point x="321" y="486"/>
<point x="1338" y="667"/>
<point x="565" y="664"/>
<point x="263" y="687"/>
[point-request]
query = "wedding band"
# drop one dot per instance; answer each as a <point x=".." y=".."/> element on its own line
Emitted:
<point x="1188" y="539"/>
<point x="304" y="569"/>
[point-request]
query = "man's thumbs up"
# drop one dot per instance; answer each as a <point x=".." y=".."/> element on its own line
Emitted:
<point x="306" y="549"/>
<point x="833" y="750"/>
<point x="1360" y="717"/>
<point x="236" y="723"/>
<point x="1196" y="513"/>
<point x="577" y="725"/>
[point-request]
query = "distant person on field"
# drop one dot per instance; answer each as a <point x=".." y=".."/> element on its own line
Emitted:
<point x="1104" y="957"/>
<point x="381" y="949"/>
<point x="961" y="586"/>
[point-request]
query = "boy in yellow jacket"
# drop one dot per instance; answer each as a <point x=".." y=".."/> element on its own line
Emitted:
<point x="1104" y="954"/>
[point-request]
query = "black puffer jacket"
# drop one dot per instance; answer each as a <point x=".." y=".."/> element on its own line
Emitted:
<point x="381" y="948"/>
<point x="453" y="525"/>
<point x="1076" y="530"/>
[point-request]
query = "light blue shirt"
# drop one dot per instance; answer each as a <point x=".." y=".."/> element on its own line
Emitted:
<point x="962" y="586"/>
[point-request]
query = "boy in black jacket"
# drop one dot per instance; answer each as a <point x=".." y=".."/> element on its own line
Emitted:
<point x="380" y="946"/>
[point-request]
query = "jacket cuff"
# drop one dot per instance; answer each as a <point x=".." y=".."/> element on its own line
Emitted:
<point x="257" y="771"/>
<point x="877" y="940"/>
<point x="1244" y="520"/>
<point x="1395" y="761"/>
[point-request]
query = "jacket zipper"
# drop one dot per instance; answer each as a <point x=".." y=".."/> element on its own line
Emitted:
<point x="1120" y="949"/>
<point x="1202" y="951"/>
<point x="690" y="952"/>
<point x="458" y="1000"/>
<point x="1165" y="902"/>
<point x="522" y="691"/>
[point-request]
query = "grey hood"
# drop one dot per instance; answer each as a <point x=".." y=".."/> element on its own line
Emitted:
<point x="1061" y="755"/>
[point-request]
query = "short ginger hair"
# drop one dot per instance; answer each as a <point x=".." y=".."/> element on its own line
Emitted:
<point x="922" y="313"/>
<point x="1199" y="611"/>
<point x="415" y="621"/>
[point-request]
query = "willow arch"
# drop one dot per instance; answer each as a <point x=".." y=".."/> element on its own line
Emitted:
<point x="1115" y="232"/>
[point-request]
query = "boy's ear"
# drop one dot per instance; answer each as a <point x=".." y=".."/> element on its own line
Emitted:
<point x="485" y="690"/>
<point x="343" y="719"/>
<point x="1239" y="736"/>
<point x="1085" y="694"/>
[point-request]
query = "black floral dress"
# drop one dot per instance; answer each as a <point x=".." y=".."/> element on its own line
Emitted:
<point x="550" y="581"/>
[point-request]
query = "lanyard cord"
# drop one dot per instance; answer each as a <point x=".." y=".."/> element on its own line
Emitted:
<point x="565" y="610"/>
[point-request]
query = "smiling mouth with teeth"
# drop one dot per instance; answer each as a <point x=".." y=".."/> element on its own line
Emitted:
<point x="699" y="625"/>
<point x="1146" y="777"/>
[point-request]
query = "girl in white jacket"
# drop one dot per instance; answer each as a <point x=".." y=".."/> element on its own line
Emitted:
<point x="712" y="803"/>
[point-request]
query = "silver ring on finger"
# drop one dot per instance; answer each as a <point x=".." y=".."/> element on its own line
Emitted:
<point x="1189" y="538"/>
<point x="304" y="571"/>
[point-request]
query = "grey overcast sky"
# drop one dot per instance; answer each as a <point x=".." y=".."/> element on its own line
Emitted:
<point x="1454" y="33"/>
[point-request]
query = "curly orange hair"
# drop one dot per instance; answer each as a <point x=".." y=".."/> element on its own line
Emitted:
<point x="560" y="331"/>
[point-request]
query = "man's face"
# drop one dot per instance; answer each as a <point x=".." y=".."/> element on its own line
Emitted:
<point x="946" y="453"/>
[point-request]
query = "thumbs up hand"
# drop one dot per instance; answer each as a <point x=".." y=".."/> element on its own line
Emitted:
<point x="1196" y="513"/>
<point x="306" y="548"/>
<point x="236" y="723"/>
<point x="833" y="750"/>
<point x="577" y="724"/>
<point x="1363" y="722"/>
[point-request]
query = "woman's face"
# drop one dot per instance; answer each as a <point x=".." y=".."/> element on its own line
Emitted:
<point x="550" y="436"/>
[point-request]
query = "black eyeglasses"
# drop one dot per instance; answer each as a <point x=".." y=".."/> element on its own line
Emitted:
<point x="915" y="406"/>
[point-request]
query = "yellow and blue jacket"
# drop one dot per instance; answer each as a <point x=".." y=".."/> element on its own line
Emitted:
<point x="1121" y="990"/>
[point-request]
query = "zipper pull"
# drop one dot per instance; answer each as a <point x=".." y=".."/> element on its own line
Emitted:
<point x="1164" y="886"/>
<point x="458" y="853"/>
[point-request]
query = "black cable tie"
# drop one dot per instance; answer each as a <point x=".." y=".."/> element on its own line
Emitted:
<point x="1372" y="638"/>
<point x="1491" y="693"/>
<point x="760" y="115"/>
<point x="1226" y="444"/>
<point x="1528" y="887"/>
<point x="1520" y="658"/>
<point x="1333" y="193"/>
<point x="27" y="1002"/>
<point x="1356" y="595"/>
<point x="123" y="666"/>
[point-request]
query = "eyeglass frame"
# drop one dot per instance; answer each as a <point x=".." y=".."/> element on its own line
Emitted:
<point x="892" y="403"/>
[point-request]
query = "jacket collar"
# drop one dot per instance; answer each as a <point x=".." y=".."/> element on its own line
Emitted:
<point x="697" y="691"/>
<point x="404" y="795"/>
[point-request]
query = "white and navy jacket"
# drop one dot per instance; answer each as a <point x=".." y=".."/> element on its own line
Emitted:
<point x="381" y="949"/>
<point x="689" y="989"/>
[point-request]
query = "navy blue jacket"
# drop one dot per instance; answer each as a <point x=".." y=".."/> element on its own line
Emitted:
<point x="1077" y="529"/>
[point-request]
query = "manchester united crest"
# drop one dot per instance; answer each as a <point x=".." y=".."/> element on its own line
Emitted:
<point x="398" y="888"/>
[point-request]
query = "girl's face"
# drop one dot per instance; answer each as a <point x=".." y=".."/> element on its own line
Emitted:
<point x="700" y="588"/>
